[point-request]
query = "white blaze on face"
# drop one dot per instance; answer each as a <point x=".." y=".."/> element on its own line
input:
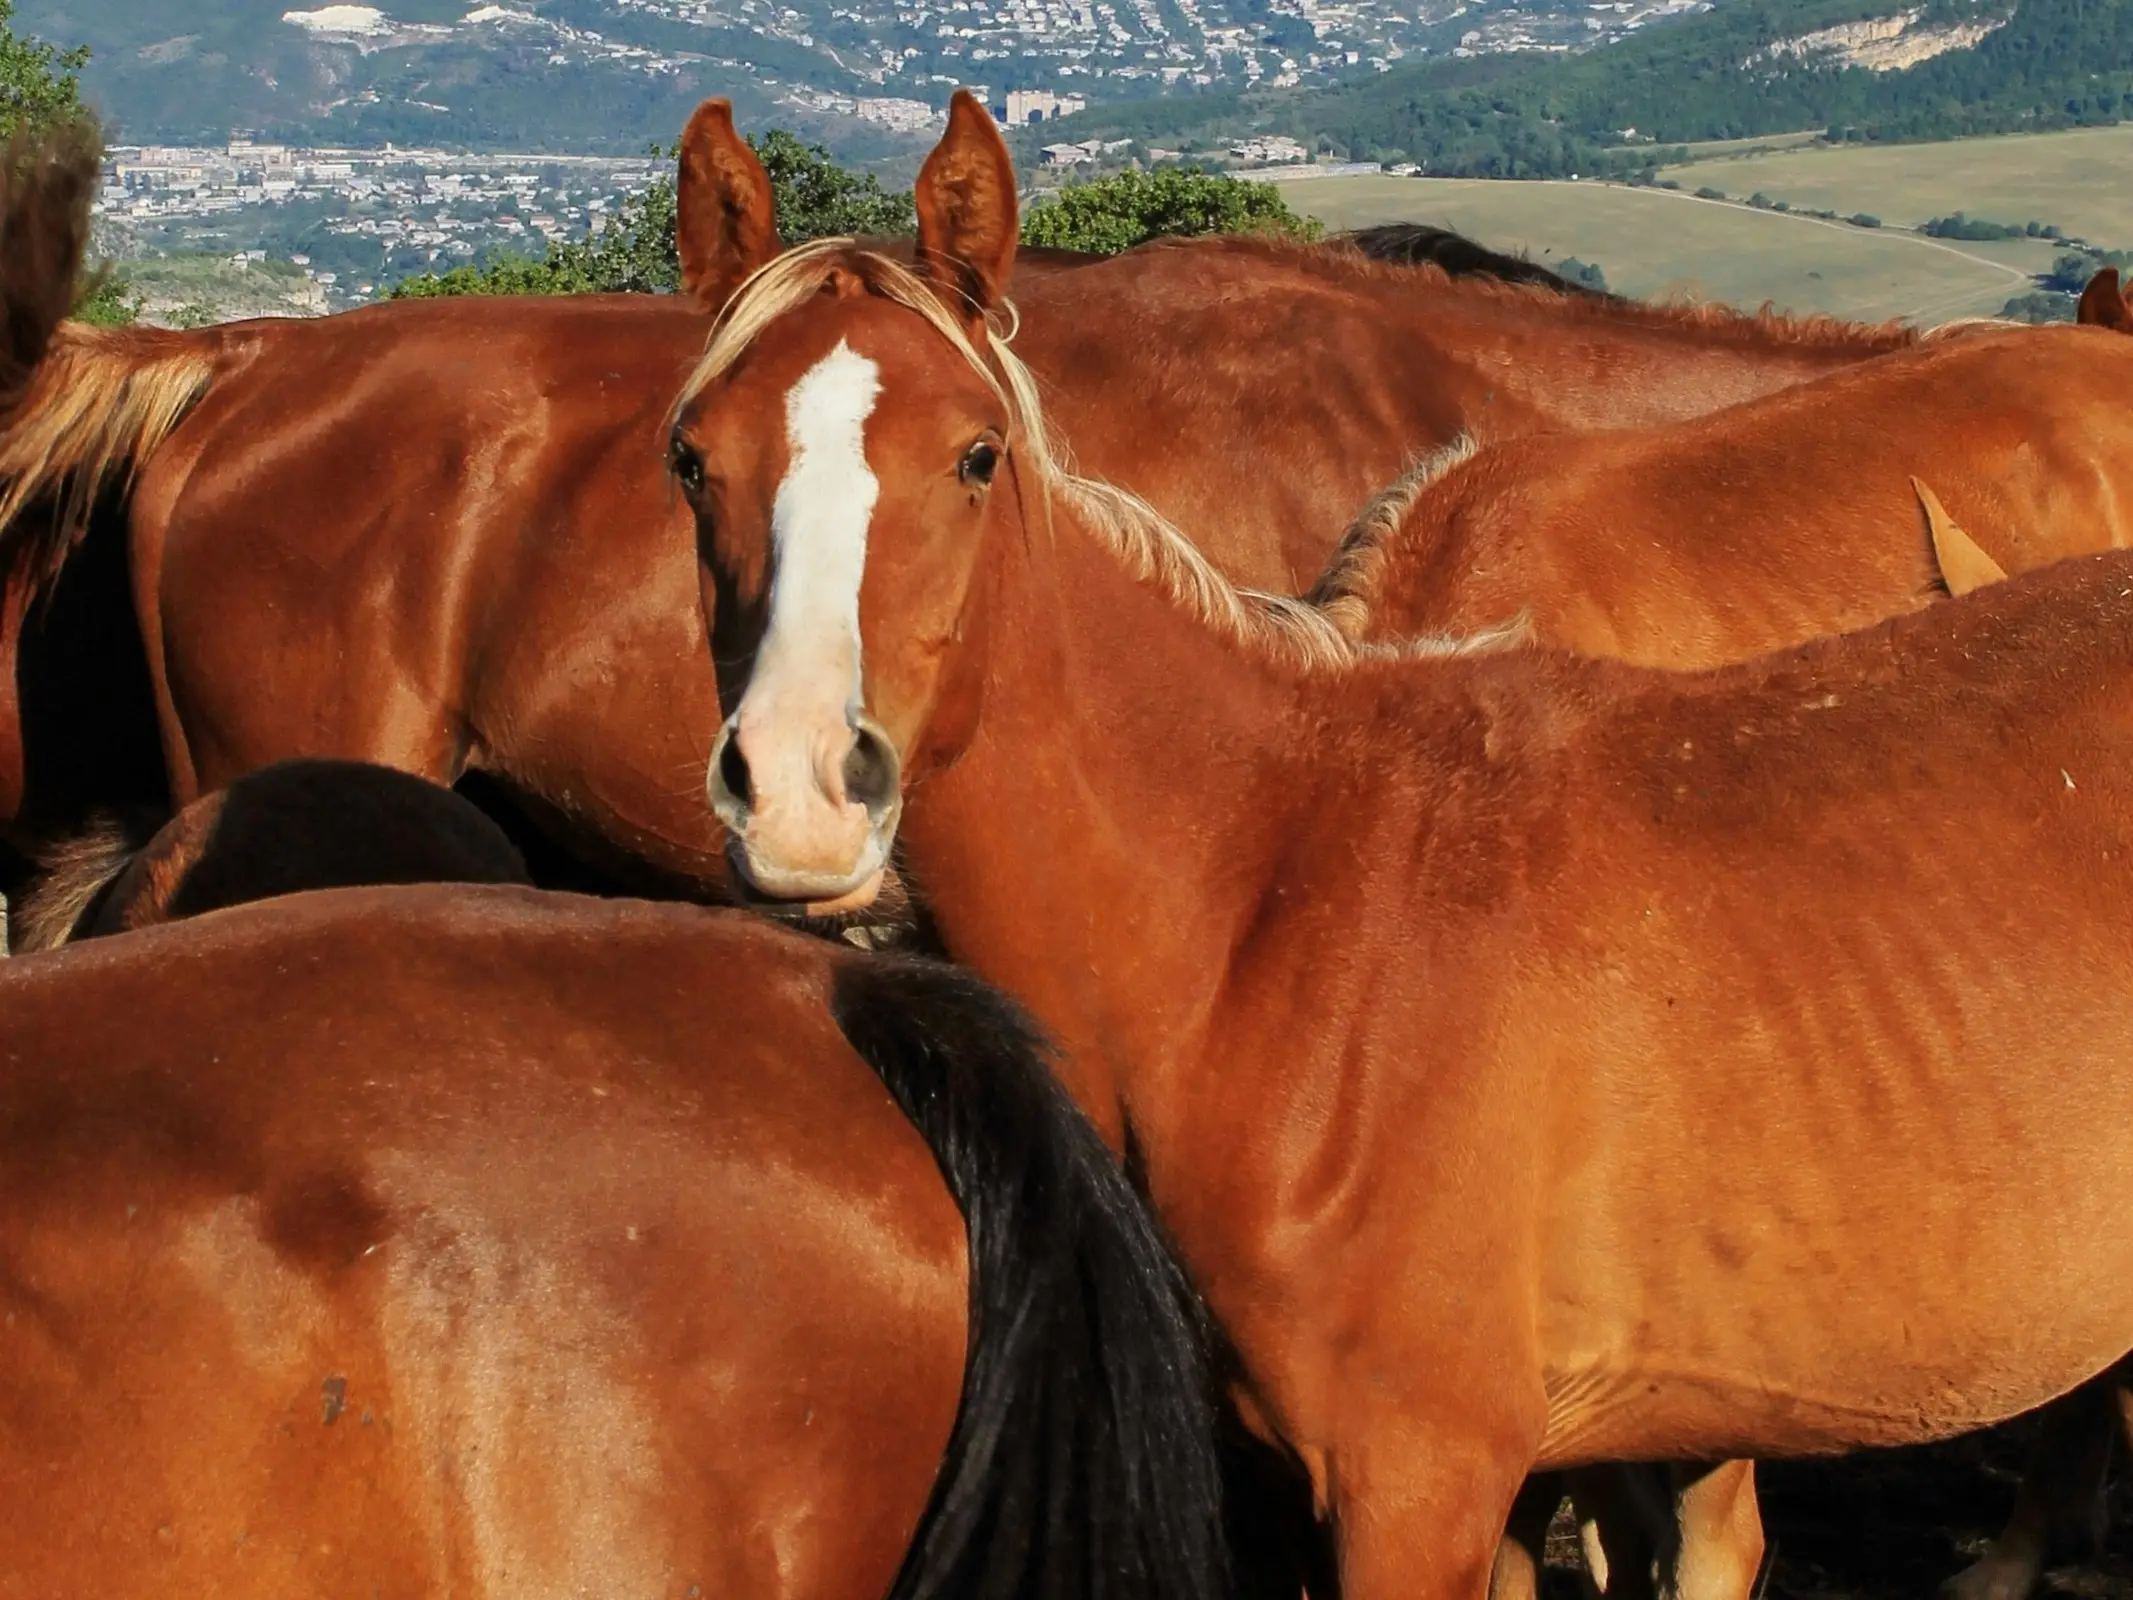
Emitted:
<point x="806" y="682"/>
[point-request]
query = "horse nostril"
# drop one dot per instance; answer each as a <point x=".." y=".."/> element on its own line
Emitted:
<point x="871" y="771"/>
<point x="733" y="773"/>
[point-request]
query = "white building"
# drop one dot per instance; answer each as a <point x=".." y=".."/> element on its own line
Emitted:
<point x="1024" y="106"/>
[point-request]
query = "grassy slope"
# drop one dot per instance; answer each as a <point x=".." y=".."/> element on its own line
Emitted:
<point x="2077" y="179"/>
<point x="1652" y="243"/>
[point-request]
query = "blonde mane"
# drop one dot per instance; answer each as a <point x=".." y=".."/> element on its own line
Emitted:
<point x="100" y="400"/>
<point x="1347" y="589"/>
<point x="1277" y="627"/>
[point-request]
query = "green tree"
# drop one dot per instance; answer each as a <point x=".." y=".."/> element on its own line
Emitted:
<point x="107" y="302"/>
<point x="2039" y="307"/>
<point x="38" y="81"/>
<point x="1109" y="214"/>
<point x="40" y="84"/>
<point x="817" y="199"/>
<point x="635" y="253"/>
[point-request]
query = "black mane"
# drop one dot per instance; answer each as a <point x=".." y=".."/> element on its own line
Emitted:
<point x="1415" y="243"/>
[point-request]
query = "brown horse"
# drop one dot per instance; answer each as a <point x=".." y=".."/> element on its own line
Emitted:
<point x="292" y="826"/>
<point x="1530" y="1054"/>
<point x="1717" y="539"/>
<point x="438" y="534"/>
<point x="1756" y="528"/>
<point x="405" y="1242"/>
<point x="1188" y="367"/>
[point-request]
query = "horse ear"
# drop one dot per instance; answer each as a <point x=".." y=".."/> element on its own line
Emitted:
<point x="725" y="216"/>
<point x="2103" y="303"/>
<point x="1963" y="565"/>
<point x="967" y="222"/>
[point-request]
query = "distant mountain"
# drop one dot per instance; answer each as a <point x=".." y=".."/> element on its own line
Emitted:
<point x="564" y="75"/>
<point x="1861" y="69"/>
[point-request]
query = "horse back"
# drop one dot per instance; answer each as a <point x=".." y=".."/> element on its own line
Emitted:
<point x="1776" y="521"/>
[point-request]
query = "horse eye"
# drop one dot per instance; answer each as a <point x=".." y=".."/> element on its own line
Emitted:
<point x="979" y="463"/>
<point x="687" y="465"/>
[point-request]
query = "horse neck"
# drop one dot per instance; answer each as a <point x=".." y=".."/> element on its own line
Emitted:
<point x="1592" y="367"/>
<point x="1085" y="851"/>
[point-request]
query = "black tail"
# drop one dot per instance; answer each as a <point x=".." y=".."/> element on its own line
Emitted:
<point x="47" y="179"/>
<point x="1083" y="1461"/>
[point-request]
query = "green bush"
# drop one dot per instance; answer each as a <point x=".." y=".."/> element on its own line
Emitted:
<point x="1863" y="219"/>
<point x="2071" y="271"/>
<point x="1113" y="213"/>
<point x="2040" y="307"/>
<point x="41" y="83"/>
<point x="1957" y="226"/>
<point x="635" y="252"/>
<point x="1709" y="193"/>
<point x="106" y="302"/>
<point x="1585" y="272"/>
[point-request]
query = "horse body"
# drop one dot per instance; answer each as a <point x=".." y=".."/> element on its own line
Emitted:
<point x="1309" y="375"/>
<point x="1575" y="1057"/>
<point x="281" y="829"/>
<point x="1761" y="526"/>
<point x="628" y="1271"/>
<point x="1539" y="1061"/>
<point x="518" y="1315"/>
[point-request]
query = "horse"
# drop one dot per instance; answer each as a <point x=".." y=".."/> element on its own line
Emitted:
<point x="1865" y="494"/>
<point x="474" y="1239"/>
<point x="1721" y="538"/>
<point x="462" y="555"/>
<point x="1524" y="1050"/>
<point x="283" y="829"/>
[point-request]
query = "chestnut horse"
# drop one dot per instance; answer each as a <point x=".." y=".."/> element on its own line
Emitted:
<point x="295" y="825"/>
<point x="438" y="534"/>
<point x="476" y="1241"/>
<point x="1530" y="1054"/>
<point x="1721" y="538"/>
<point x="1795" y="515"/>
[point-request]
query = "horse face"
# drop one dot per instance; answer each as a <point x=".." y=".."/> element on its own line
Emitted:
<point x="841" y="472"/>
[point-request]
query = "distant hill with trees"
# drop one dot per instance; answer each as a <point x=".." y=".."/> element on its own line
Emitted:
<point x="1720" y="74"/>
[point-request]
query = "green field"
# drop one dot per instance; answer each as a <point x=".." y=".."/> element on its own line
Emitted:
<point x="1659" y="242"/>
<point x="1655" y="242"/>
<point x="2077" y="179"/>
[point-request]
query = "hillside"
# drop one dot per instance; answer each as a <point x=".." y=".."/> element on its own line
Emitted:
<point x="1868" y="70"/>
<point x="600" y="76"/>
<point x="193" y="70"/>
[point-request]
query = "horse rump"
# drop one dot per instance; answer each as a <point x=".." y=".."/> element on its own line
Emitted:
<point x="302" y="824"/>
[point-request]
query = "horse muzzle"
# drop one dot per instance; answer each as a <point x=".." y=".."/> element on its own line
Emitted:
<point x="810" y="816"/>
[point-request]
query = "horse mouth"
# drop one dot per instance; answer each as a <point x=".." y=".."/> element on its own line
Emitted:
<point x="877" y="899"/>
